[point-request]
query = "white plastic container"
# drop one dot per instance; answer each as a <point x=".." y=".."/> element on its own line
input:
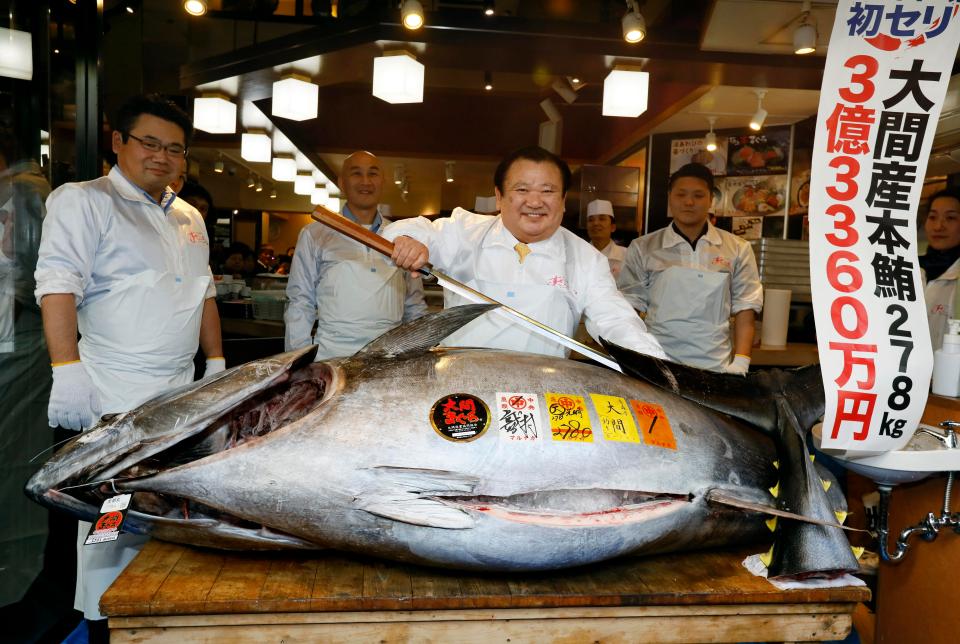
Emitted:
<point x="946" y="363"/>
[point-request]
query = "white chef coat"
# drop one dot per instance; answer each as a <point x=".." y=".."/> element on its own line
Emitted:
<point x="139" y="274"/>
<point x="941" y="300"/>
<point x="561" y="278"/>
<point x="615" y="254"/>
<point x="689" y="294"/>
<point x="352" y="292"/>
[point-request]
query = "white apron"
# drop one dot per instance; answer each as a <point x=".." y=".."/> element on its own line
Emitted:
<point x="690" y="315"/>
<point x="550" y="305"/>
<point x="943" y="303"/>
<point x="137" y="341"/>
<point x="359" y="299"/>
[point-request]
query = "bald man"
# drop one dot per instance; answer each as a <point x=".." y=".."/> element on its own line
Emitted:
<point x="352" y="293"/>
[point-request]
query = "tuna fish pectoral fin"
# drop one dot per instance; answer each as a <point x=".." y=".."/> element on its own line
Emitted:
<point x="731" y="499"/>
<point x="423" y="333"/>
<point x="414" y="495"/>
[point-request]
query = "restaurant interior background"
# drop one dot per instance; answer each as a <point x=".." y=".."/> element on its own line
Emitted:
<point x="532" y="72"/>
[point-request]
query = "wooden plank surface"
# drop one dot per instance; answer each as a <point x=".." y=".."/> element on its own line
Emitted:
<point x="169" y="579"/>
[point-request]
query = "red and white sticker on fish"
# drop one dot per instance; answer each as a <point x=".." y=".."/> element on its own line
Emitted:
<point x="884" y="84"/>
<point x="518" y="416"/>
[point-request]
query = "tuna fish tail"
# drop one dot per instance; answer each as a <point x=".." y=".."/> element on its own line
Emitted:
<point x="783" y="404"/>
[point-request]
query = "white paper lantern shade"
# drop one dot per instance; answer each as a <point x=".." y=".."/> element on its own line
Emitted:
<point x="319" y="197"/>
<point x="295" y="98"/>
<point x="625" y="92"/>
<point x="215" y="114"/>
<point x="283" y="169"/>
<point x="16" y="54"/>
<point x="398" y="78"/>
<point x="303" y="185"/>
<point x="256" y="147"/>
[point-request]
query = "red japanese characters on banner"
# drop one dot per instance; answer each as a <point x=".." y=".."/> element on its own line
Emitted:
<point x="884" y="83"/>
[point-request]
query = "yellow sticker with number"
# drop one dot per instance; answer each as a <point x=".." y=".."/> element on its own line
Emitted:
<point x="654" y="425"/>
<point x="616" y="421"/>
<point x="569" y="420"/>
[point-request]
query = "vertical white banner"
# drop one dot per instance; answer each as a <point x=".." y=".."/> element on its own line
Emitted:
<point x="885" y="79"/>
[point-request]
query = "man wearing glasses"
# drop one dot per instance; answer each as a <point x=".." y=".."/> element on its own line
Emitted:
<point x="523" y="258"/>
<point x="124" y="262"/>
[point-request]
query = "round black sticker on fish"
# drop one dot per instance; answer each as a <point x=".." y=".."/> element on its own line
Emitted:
<point x="460" y="417"/>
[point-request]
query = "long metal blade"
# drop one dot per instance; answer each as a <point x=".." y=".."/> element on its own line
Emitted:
<point x="516" y="316"/>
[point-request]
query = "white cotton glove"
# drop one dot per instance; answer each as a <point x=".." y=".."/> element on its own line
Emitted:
<point x="74" y="400"/>
<point x="214" y="365"/>
<point x="739" y="365"/>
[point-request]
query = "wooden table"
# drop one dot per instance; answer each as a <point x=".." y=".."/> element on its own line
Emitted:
<point x="172" y="593"/>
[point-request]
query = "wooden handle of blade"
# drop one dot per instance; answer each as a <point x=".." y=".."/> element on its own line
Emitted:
<point x="353" y="231"/>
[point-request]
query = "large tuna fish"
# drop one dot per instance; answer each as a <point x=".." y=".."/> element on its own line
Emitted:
<point x="465" y="457"/>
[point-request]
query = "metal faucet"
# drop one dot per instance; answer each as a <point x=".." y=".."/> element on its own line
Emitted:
<point x="929" y="527"/>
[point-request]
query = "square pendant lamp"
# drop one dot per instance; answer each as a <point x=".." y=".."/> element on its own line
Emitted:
<point x="16" y="54"/>
<point x="625" y="92"/>
<point x="295" y="98"/>
<point x="284" y="168"/>
<point x="256" y="146"/>
<point x="215" y="114"/>
<point x="398" y="78"/>
<point x="303" y="184"/>
<point x="319" y="197"/>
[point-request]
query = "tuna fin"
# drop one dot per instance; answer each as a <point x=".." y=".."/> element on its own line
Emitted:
<point x="423" y="333"/>
<point x="414" y="495"/>
<point x="749" y="398"/>
<point x="729" y="498"/>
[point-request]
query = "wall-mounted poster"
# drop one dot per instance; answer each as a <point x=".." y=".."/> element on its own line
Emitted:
<point x="800" y="193"/>
<point x="717" y="205"/>
<point x="684" y="151"/>
<point x="755" y="196"/>
<point x="752" y="154"/>
<point x="747" y="227"/>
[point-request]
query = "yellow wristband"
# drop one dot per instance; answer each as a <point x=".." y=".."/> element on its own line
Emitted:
<point x="740" y="355"/>
<point x="63" y="364"/>
<point x="217" y="358"/>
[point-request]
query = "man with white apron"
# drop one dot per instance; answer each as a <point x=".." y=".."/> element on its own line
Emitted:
<point x="690" y="277"/>
<point x="523" y="258"/>
<point x="600" y="225"/>
<point x="941" y="263"/>
<point x="124" y="262"/>
<point x="352" y="293"/>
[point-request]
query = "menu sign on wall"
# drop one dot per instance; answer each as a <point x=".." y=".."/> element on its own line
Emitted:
<point x="884" y="84"/>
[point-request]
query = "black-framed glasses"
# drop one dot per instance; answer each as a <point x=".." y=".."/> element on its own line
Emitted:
<point x="153" y="145"/>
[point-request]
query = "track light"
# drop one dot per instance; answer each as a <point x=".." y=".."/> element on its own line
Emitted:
<point x="218" y="165"/>
<point x="634" y="26"/>
<point x="448" y="171"/>
<point x="195" y="7"/>
<point x="273" y="193"/>
<point x="761" y="115"/>
<point x="487" y="81"/>
<point x="805" y="35"/>
<point x="398" y="174"/>
<point x="489" y="7"/>
<point x="259" y="186"/>
<point x="711" y="138"/>
<point x="129" y="9"/>
<point x="411" y="13"/>
<point x="251" y="182"/>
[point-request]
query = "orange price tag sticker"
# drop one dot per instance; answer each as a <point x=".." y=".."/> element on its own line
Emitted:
<point x="569" y="420"/>
<point x="654" y="424"/>
<point x="615" y="418"/>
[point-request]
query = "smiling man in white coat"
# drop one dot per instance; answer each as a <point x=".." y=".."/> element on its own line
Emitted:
<point x="124" y="262"/>
<point x="523" y="258"/>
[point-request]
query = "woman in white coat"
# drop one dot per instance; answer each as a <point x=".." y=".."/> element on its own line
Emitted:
<point x="941" y="264"/>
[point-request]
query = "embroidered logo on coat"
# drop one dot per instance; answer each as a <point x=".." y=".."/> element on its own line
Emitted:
<point x="559" y="281"/>
<point x="720" y="261"/>
<point x="196" y="238"/>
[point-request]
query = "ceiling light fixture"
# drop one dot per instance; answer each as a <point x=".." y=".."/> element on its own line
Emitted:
<point x="411" y="13"/>
<point x="625" y="92"/>
<point x="295" y="98"/>
<point x="761" y="114"/>
<point x="399" y="173"/>
<point x="255" y="146"/>
<point x="448" y="170"/>
<point x="488" y="81"/>
<point x="562" y="87"/>
<point x="319" y="196"/>
<point x="251" y="182"/>
<point x="195" y="7"/>
<point x="398" y="78"/>
<point x="283" y="168"/>
<point x="16" y="54"/>
<point x="129" y="9"/>
<point x="259" y="186"/>
<point x="548" y="107"/>
<point x="634" y="26"/>
<point x="489" y="7"/>
<point x="273" y="193"/>
<point x="218" y="165"/>
<point x="805" y="35"/>
<point x="215" y="114"/>
<point x="711" y="139"/>
<point x="303" y="184"/>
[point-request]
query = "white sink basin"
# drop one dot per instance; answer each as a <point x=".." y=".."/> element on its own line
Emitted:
<point x="923" y="456"/>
